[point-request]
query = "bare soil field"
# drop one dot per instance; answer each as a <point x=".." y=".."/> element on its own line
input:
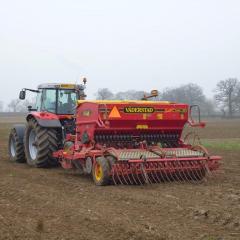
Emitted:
<point x="55" y="204"/>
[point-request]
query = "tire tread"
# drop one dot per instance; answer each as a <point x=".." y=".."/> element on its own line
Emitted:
<point x="47" y="143"/>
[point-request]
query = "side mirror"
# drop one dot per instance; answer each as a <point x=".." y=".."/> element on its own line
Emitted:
<point x="22" y="94"/>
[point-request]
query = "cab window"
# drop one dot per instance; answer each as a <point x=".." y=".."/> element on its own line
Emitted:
<point x="49" y="100"/>
<point x="66" y="101"/>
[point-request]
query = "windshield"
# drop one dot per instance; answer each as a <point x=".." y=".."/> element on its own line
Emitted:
<point x="66" y="101"/>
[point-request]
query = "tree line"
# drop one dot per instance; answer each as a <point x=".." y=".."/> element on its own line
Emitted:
<point x="226" y="100"/>
<point x="17" y="105"/>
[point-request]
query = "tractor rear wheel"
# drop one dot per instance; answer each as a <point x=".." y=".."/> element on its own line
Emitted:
<point x="100" y="172"/>
<point x="16" y="147"/>
<point x="39" y="144"/>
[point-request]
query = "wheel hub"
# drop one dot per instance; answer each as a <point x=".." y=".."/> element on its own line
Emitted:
<point x="32" y="144"/>
<point x="13" y="147"/>
<point x="98" y="172"/>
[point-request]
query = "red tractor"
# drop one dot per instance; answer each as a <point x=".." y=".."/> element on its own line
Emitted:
<point x="47" y="124"/>
<point x="121" y="142"/>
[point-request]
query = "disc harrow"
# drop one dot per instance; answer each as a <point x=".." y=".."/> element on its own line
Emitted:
<point x="176" y="165"/>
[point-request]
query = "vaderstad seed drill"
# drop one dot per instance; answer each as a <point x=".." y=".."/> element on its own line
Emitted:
<point x="120" y="142"/>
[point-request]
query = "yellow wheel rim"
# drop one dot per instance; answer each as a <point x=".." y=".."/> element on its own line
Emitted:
<point x="98" y="172"/>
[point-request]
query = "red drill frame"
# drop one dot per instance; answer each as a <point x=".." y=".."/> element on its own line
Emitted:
<point x="103" y="129"/>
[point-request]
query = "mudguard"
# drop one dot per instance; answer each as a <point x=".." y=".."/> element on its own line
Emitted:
<point x="44" y="119"/>
<point x="49" y="123"/>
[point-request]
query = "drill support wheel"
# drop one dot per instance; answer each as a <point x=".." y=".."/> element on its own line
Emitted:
<point x="100" y="172"/>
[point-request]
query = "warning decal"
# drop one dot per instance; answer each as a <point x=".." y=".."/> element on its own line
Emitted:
<point x="114" y="113"/>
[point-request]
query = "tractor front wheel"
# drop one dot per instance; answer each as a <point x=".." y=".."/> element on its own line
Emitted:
<point x="39" y="144"/>
<point x="100" y="171"/>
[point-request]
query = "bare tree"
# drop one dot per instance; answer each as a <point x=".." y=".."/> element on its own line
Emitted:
<point x="104" y="94"/>
<point x="189" y="93"/>
<point x="228" y="95"/>
<point x="23" y="105"/>
<point x="13" y="105"/>
<point x="208" y="107"/>
<point x="1" y="106"/>
<point x="238" y="99"/>
<point x="130" y="95"/>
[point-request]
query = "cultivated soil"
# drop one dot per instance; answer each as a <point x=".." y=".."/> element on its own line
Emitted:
<point x="56" y="204"/>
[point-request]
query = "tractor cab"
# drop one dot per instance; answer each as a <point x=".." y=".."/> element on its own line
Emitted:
<point x="59" y="99"/>
<point x="56" y="98"/>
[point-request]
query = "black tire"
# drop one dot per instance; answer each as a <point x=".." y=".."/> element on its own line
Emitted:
<point x="45" y="144"/>
<point x="16" y="147"/>
<point x="104" y="179"/>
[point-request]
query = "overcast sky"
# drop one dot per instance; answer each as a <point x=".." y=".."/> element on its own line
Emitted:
<point x="121" y="45"/>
